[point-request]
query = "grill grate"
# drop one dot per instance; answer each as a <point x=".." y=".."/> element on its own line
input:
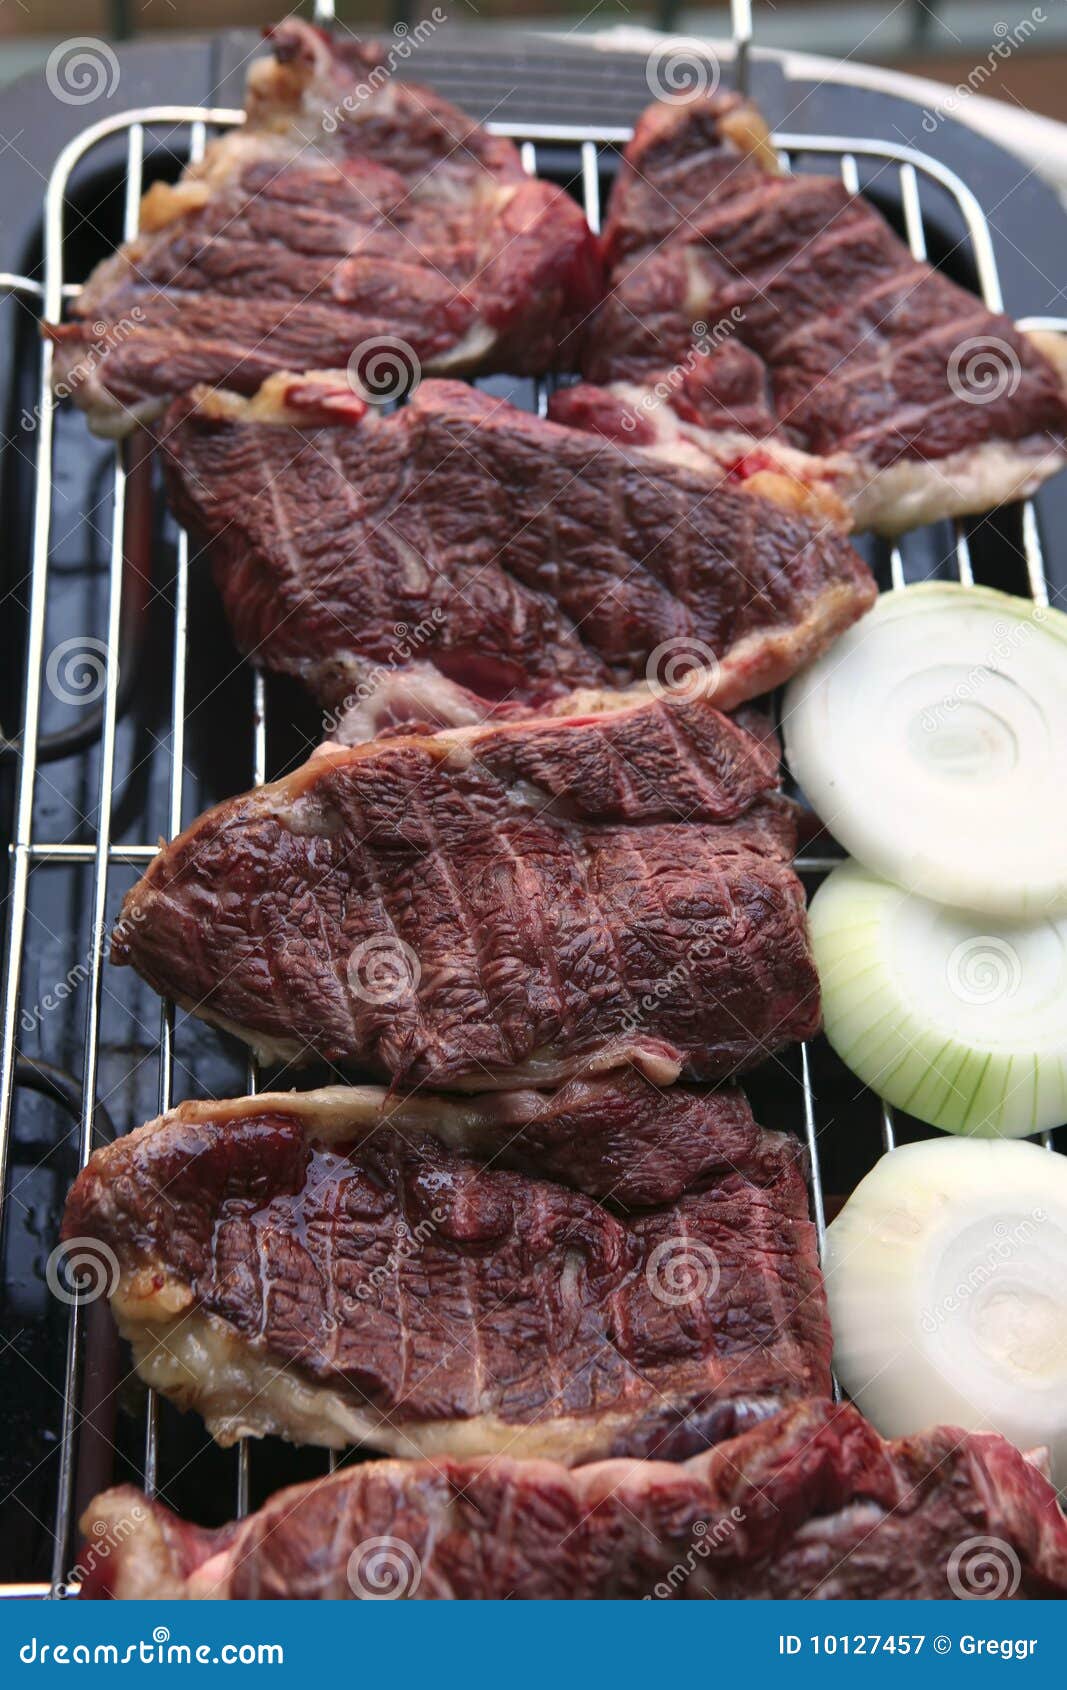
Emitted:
<point x="113" y="839"/>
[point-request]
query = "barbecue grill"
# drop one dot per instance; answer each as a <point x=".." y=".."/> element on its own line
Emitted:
<point x="135" y="715"/>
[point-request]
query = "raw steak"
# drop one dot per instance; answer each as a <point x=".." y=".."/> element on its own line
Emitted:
<point x="322" y="1266"/>
<point x="497" y="905"/>
<point x="521" y="558"/>
<point x="749" y="306"/>
<point x="810" y="1504"/>
<point x="351" y="214"/>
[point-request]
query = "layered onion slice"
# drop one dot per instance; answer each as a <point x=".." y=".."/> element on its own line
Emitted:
<point x="946" y="1273"/>
<point x="931" y="739"/>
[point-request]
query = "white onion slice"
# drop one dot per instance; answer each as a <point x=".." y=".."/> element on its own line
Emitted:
<point x="946" y="1273"/>
<point x="932" y="742"/>
<point x="961" y="1020"/>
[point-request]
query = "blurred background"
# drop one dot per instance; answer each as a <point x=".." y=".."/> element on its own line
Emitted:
<point x="941" y="39"/>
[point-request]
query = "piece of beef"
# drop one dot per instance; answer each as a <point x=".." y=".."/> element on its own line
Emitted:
<point x="620" y="1139"/>
<point x="521" y="558"/>
<point x="323" y="1266"/>
<point x="756" y="306"/>
<point x="810" y="1504"/>
<point x="497" y="905"/>
<point x="351" y="214"/>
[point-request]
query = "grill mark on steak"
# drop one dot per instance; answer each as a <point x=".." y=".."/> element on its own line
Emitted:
<point x="810" y="1504"/>
<point x="476" y="933"/>
<point x="325" y="222"/>
<point x="854" y="337"/>
<point x="546" y="559"/>
<point x="527" y="1317"/>
<point x="527" y="932"/>
<point x="526" y="885"/>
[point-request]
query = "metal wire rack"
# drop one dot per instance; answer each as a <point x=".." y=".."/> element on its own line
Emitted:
<point x="913" y="186"/>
